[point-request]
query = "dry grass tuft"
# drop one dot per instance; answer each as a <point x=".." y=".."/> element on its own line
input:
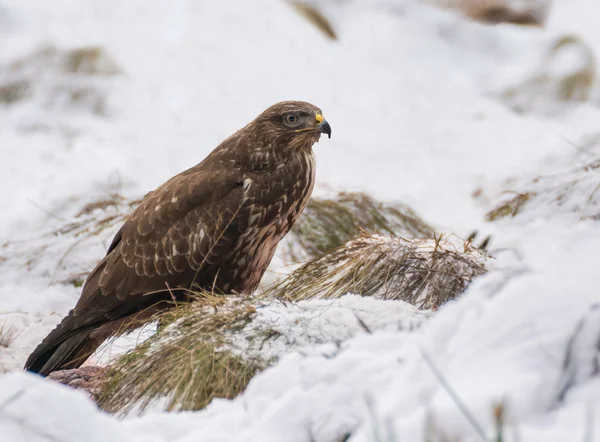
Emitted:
<point x="91" y="221"/>
<point x="89" y="60"/>
<point x="113" y="200"/>
<point x="509" y="208"/>
<point x="60" y="80"/>
<point x="423" y="272"/>
<point x="576" y="85"/>
<point x="327" y="224"/>
<point x="574" y="192"/>
<point x="14" y="91"/>
<point x="531" y="12"/>
<point x="8" y="334"/>
<point x="187" y="362"/>
<point x="315" y="17"/>
<point x="68" y="251"/>
<point x="552" y="84"/>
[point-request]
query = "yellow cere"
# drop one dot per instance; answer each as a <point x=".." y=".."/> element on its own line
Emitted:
<point x="319" y="118"/>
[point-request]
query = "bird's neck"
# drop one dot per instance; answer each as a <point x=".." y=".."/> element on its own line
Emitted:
<point x="267" y="157"/>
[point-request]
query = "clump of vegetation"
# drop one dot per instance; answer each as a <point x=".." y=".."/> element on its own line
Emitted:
<point x="187" y="362"/>
<point x="315" y="17"/>
<point x="510" y="207"/>
<point x="575" y="85"/>
<point x="328" y="223"/>
<point x="60" y="79"/>
<point x="14" y="91"/>
<point x="90" y="60"/>
<point x="65" y="253"/>
<point x="8" y="334"/>
<point x="423" y="272"/>
<point x="94" y="219"/>
<point x="553" y="83"/>
<point x="574" y="192"/>
<point x="531" y="12"/>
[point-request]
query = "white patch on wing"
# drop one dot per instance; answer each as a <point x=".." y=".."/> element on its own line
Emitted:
<point x="247" y="184"/>
<point x="253" y="217"/>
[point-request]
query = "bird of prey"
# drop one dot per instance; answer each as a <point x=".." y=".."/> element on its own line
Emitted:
<point x="214" y="226"/>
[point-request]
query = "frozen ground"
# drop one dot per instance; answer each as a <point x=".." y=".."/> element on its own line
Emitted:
<point x="413" y="95"/>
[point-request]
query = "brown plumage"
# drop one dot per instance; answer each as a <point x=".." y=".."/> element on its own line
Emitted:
<point x="214" y="226"/>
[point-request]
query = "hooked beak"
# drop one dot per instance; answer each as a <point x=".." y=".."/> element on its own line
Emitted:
<point x="323" y="125"/>
<point x="325" y="128"/>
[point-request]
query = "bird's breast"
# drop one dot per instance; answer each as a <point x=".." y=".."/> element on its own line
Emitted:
<point x="273" y="202"/>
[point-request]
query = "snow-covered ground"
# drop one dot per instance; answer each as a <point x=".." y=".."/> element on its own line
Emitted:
<point x="415" y="97"/>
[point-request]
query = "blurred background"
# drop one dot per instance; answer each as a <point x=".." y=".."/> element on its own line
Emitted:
<point x="431" y="102"/>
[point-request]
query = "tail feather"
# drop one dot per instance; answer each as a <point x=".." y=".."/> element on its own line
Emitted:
<point x="62" y="349"/>
<point x="70" y="344"/>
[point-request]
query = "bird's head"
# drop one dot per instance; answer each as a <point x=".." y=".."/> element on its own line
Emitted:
<point x="282" y="129"/>
<point x="292" y="124"/>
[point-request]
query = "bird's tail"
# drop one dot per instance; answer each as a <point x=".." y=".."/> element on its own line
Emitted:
<point x="63" y="348"/>
<point x="70" y="344"/>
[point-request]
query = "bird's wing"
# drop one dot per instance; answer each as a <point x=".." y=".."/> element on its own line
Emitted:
<point x="179" y="229"/>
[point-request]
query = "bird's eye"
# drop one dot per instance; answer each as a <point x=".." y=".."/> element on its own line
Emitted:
<point x="291" y="120"/>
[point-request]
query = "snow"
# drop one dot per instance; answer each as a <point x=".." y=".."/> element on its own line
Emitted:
<point x="23" y="416"/>
<point x="413" y="97"/>
<point x="304" y="324"/>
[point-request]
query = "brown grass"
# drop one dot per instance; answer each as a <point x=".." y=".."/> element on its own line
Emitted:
<point x="423" y="272"/>
<point x="578" y="85"/>
<point x="187" y="361"/>
<point x="545" y="89"/>
<point x="59" y="79"/>
<point x="90" y="60"/>
<point x="510" y="207"/>
<point x="14" y="91"/>
<point x="497" y="11"/>
<point x="8" y="334"/>
<point x="575" y="191"/>
<point x="328" y="223"/>
<point x="315" y="17"/>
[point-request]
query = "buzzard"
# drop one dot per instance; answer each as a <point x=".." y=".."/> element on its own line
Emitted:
<point x="214" y="226"/>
